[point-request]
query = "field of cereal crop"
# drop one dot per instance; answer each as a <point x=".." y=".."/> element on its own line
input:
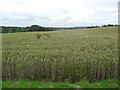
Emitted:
<point x="64" y="55"/>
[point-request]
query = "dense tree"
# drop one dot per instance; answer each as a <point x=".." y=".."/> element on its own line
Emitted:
<point x="39" y="28"/>
<point x="109" y="25"/>
<point x="25" y="29"/>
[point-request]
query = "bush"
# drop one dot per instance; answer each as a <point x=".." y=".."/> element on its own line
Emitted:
<point x="38" y="36"/>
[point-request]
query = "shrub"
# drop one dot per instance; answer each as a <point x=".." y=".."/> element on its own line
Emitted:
<point x="38" y="36"/>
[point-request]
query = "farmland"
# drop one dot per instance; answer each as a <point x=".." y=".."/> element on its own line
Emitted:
<point x="60" y="56"/>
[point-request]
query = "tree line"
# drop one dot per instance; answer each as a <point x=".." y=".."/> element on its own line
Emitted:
<point x="6" y="29"/>
<point x="109" y="25"/>
<point x="25" y="29"/>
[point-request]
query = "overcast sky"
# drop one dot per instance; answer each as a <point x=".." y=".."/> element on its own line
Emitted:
<point x="58" y="12"/>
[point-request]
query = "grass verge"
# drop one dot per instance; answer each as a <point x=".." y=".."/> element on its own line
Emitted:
<point x="110" y="83"/>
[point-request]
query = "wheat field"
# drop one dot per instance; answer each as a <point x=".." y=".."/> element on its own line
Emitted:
<point x="64" y="55"/>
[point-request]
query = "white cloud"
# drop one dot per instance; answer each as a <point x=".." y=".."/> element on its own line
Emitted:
<point x="58" y="12"/>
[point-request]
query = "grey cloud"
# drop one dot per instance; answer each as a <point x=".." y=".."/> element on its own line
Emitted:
<point x="25" y="19"/>
<point x="21" y="19"/>
<point x="20" y="2"/>
<point x="64" y="11"/>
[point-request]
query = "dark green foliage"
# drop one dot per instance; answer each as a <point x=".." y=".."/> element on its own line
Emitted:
<point x="25" y="29"/>
<point x="109" y="25"/>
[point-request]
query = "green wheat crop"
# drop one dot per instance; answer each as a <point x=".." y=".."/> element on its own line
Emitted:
<point x="64" y="55"/>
